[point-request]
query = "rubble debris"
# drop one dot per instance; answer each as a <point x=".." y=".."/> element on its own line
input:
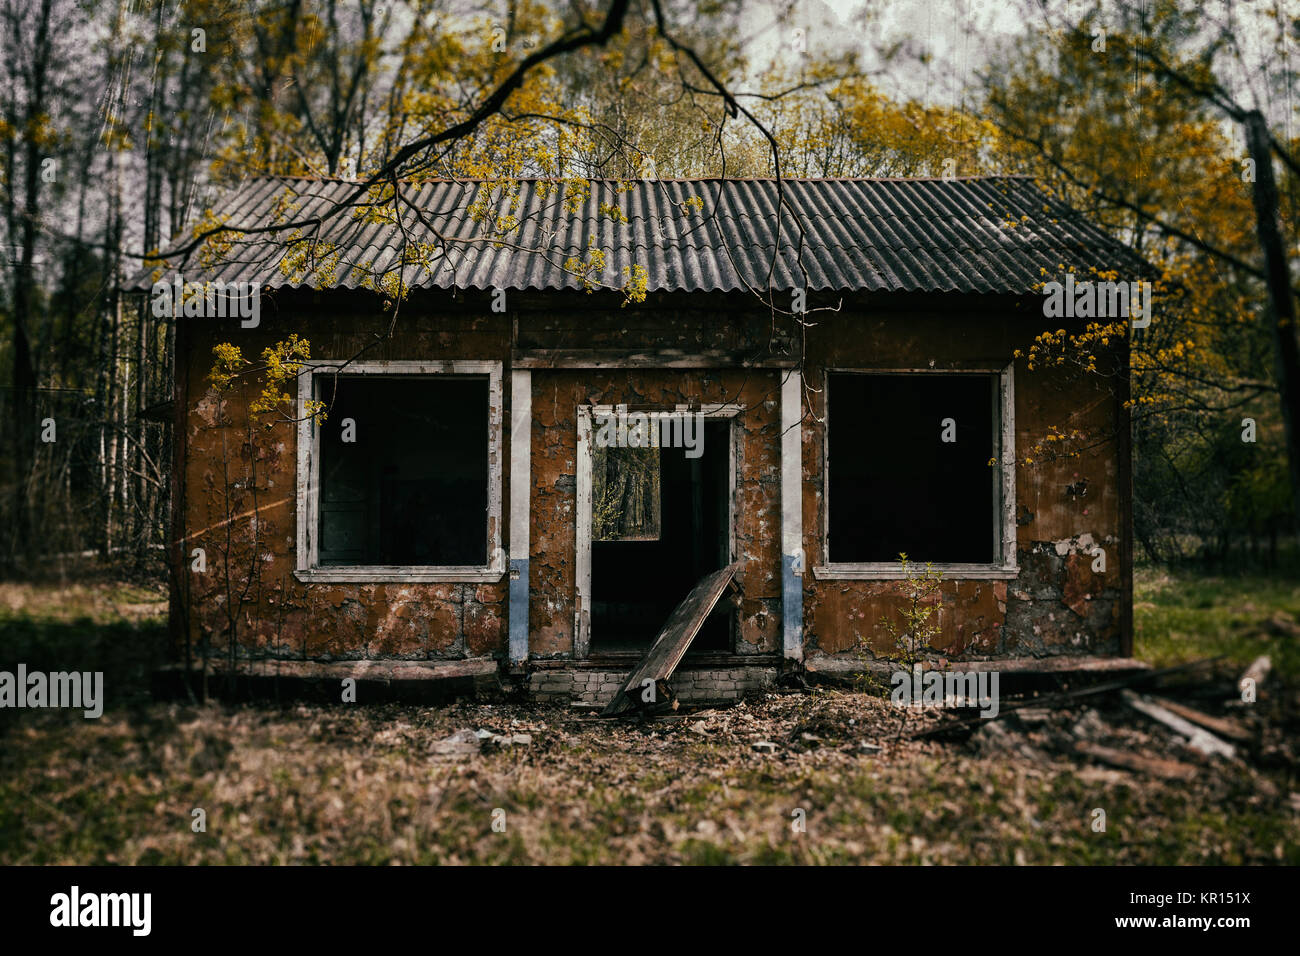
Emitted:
<point x="1199" y="739"/>
<point x="1033" y="715"/>
<point x="512" y="740"/>
<point x="463" y="743"/>
<point x="1281" y="624"/>
<point x="1065" y="697"/>
<point x="1155" y="766"/>
<point x="864" y="747"/>
<point x="1089" y="726"/>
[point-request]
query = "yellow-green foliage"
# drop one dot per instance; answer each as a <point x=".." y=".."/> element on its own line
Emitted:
<point x="280" y="366"/>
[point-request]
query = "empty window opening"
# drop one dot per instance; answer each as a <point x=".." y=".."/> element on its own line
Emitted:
<point x="908" y="468"/>
<point x="665" y="525"/>
<point x="411" y="486"/>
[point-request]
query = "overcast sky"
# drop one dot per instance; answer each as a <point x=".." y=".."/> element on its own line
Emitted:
<point x="950" y="29"/>
<point x="959" y="33"/>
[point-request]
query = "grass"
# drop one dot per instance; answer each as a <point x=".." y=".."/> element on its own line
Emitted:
<point x="358" y="784"/>
<point x="119" y="629"/>
<point x="1180" y="616"/>
<point x="355" y="785"/>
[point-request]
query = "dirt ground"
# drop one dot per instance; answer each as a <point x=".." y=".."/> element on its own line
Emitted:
<point x="785" y="778"/>
<point x="818" y="777"/>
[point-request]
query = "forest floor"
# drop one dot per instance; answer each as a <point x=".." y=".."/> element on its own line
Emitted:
<point x="778" y="778"/>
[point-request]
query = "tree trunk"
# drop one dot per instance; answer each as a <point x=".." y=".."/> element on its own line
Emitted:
<point x="1286" y="354"/>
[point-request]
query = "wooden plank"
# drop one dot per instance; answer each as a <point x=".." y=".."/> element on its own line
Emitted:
<point x="359" y="670"/>
<point x="1198" y="739"/>
<point x="1256" y="672"/>
<point x="646" y="358"/>
<point x="849" y="669"/>
<point x="667" y="650"/>
<point x="1219" y="725"/>
<point x="1156" y="766"/>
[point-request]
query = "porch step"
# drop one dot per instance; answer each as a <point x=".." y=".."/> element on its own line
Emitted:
<point x="1018" y="673"/>
<point x="376" y="681"/>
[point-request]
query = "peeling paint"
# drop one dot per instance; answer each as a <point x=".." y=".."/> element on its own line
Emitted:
<point x="1056" y="604"/>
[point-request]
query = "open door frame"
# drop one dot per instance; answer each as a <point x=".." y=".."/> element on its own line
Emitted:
<point x="582" y="561"/>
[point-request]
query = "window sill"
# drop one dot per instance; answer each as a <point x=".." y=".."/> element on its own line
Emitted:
<point x="380" y="574"/>
<point x="891" y="572"/>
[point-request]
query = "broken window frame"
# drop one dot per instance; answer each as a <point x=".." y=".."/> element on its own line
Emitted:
<point x="730" y="411"/>
<point x="1004" y="516"/>
<point x="307" y="560"/>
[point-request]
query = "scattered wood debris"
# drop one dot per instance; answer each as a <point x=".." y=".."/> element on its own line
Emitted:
<point x="1155" y="766"/>
<point x="1222" y="726"/>
<point x="1067" y="697"/>
<point x="1058" y="724"/>
<point x="1281" y="624"/>
<point x="1257" y="672"/>
<point x="1198" y="738"/>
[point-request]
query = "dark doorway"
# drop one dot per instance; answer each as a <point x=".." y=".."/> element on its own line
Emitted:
<point x="676" y="533"/>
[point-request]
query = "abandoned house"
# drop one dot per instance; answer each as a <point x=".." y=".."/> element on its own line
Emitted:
<point x="530" y="467"/>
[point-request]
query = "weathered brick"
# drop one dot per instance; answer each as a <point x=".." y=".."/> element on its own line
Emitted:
<point x="484" y="626"/>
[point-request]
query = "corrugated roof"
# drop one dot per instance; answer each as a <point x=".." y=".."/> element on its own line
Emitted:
<point x="981" y="235"/>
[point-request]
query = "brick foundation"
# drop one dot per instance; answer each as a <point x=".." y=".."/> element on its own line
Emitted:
<point x="591" y="686"/>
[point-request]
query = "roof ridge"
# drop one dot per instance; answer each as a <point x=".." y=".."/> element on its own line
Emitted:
<point x="988" y="177"/>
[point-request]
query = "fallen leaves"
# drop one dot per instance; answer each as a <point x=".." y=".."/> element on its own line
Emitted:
<point x="393" y="784"/>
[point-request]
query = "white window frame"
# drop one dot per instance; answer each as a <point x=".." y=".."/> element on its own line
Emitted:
<point x="1004" y="514"/>
<point x="307" y="567"/>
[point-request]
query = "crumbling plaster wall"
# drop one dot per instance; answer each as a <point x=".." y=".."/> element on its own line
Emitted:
<point x="1057" y="604"/>
<point x="248" y="511"/>
<point x="277" y="616"/>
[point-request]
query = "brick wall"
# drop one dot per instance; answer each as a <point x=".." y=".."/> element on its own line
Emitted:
<point x="591" y="686"/>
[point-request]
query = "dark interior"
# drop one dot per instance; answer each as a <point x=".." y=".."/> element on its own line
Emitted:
<point x="413" y="487"/>
<point x="636" y="585"/>
<point x="895" y="485"/>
